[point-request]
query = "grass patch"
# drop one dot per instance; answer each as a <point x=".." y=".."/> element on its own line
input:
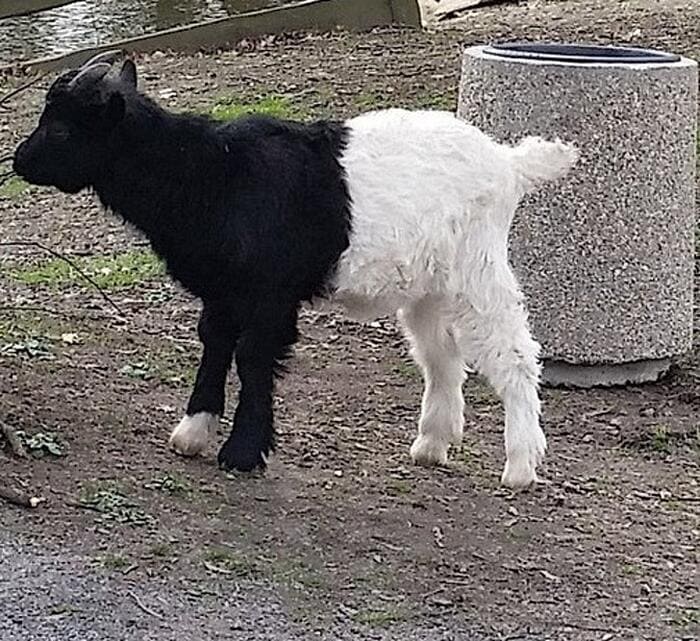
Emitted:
<point x="379" y="618"/>
<point x="371" y="101"/>
<point x="632" y="569"/>
<point x="662" y="439"/>
<point x="140" y="370"/>
<point x="406" y="369"/>
<point x="398" y="487"/>
<point x="440" y="102"/>
<point x="479" y="392"/>
<point x="278" y="106"/>
<point x="177" y="366"/>
<point x="114" y="561"/>
<point x="27" y="324"/>
<point x="13" y="188"/>
<point x="167" y="367"/>
<point x="35" y="337"/>
<point x="112" y="504"/>
<point x="298" y="574"/>
<point x="227" y="561"/>
<point x="686" y="618"/>
<point x="162" y="550"/>
<point x="109" y="272"/>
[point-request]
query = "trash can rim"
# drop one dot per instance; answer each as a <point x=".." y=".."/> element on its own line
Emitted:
<point x="578" y="54"/>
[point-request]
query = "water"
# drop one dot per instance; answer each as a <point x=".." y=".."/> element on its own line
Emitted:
<point x="94" y="22"/>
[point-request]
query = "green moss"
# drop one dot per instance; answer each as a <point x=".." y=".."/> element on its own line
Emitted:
<point x="171" y="483"/>
<point x="13" y="188"/>
<point x="231" y="562"/>
<point x="114" y="561"/>
<point x="407" y="370"/>
<point x="118" y="271"/>
<point x="113" y="505"/>
<point x="379" y="618"/>
<point x="277" y="106"/>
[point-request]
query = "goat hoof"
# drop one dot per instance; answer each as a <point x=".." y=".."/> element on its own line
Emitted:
<point x="241" y="457"/>
<point x="519" y="476"/>
<point x="192" y="434"/>
<point x="426" y="450"/>
<point x="519" y="472"/>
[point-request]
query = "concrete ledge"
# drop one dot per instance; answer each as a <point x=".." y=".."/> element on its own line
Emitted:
<point x="12" y="8"/>
<point x="311" y="15"/>
<point x="561" y="374"/>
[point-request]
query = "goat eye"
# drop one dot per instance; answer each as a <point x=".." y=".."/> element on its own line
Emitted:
<point x="59" y="133"/>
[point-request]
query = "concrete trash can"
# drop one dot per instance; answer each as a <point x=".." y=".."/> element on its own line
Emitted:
<point x="606" y="256"/>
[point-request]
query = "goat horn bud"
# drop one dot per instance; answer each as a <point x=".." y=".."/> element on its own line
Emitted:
<point x="104" y="56"/>
<point x="92" y="73"/>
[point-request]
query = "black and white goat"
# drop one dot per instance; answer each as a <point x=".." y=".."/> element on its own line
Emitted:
<point x="392" y="212"/>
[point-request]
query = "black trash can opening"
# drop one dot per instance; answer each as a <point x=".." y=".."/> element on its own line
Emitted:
<point x="579" y="54"/>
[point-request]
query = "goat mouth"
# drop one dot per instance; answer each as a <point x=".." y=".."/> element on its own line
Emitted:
<point x="44" y="181"/>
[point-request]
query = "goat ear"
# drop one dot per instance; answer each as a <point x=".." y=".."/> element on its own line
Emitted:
<point x="128" y="73"/>
<point x="113" y="110"/>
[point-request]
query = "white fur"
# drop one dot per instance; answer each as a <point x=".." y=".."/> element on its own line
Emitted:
<point x="432" y="203"/>
<point x="192" y="434"/>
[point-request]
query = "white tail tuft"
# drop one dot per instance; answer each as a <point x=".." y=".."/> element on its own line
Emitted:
<point x="538" y="161"/>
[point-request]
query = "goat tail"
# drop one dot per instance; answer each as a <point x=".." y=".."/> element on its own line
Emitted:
<point x="537" y="161"/>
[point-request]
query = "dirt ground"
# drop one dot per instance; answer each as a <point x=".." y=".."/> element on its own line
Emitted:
<point x="342" y="538"/>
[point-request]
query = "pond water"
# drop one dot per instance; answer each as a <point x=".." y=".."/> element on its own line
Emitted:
<point x="94" y="22"/>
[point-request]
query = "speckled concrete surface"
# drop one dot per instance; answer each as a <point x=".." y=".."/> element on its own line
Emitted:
<point x="49" y="596"/>
<point x="605" y="256"/>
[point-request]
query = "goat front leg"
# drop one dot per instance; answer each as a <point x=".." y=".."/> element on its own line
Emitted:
<point x="218" y="332"/>
<point x="428" y="329"/>
<point x="263" y="346"/>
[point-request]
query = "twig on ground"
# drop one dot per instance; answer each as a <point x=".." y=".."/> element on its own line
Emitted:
<point x="59" y="256"/>
<point x="18" y="498"/>
<point x="13" y="440"/>
<point x="143" y="607"/>
<point x="427" y="595"/>
<point x="215" y="568"/>
<point x="82" y="506"/>
<point x="458" y="582"/>
<point x="21" y="88"/>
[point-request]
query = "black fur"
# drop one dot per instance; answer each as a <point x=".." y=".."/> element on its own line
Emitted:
<point x="249" y="216"/>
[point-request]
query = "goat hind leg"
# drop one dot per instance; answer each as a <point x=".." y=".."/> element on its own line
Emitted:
<point x="499" y="345"/>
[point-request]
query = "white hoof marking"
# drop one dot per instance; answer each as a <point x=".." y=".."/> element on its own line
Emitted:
<point x="192" y="434"/>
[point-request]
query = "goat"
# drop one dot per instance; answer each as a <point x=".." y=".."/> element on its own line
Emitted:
<point x="391" y="212"/>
